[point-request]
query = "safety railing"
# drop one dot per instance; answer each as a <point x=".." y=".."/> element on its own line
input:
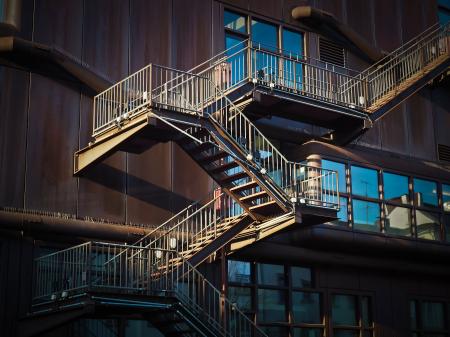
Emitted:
<point x="140" y="270"/>
<point x="407" y="63"/>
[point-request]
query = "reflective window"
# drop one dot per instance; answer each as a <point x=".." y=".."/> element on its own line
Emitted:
<point x="344" y="310"/>
<point x="235" y="21"/>
<point x="432" y="316"/>
<point x="425" y="193"/>
<point x="342" y="214"/>
<point x="275" y="331"/>
<point x="308" y="332"/>
<point x="364" y="182"/>
<point x="447" y="227"/>
<point x="292" y="46"/>
<point x="395" y="188"/>
<point x="271" y="305"/>
<point x="239" y="271"/>
<point x="446" y="197"/>
<point x="264" y="35"/>
<point x="398" y="220"/>
<point x="306" y="307"/>
<point x="427" y="225"/>
<point x="340" y="168"/>
<point x="241" y="296"/>
<point x="271" y="274"/>
<point x="366" y="315"/>
<point x="301" y="277"/>
<point x="366" y="215"/>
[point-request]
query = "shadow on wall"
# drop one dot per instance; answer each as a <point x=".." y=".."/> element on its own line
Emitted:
<point x="138" y="188"/>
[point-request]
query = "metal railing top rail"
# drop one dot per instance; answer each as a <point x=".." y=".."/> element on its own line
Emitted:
<point x="412" y="43"/>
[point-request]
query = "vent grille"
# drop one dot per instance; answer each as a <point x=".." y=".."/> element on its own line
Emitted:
<point x="331" y="52"/>
<point x="444" y="152"/>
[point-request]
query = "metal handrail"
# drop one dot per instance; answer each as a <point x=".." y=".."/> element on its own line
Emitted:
<point x="68" y="273"/>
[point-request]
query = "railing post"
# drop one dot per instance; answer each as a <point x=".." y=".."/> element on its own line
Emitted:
<point x="89" y="266"/>
<point x="150" y="86"/>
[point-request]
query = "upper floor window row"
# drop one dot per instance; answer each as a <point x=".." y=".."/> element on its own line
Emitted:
<point x="263" y="34"/>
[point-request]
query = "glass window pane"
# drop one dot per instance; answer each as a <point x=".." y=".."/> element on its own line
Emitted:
<point x="340" y="168"/>
<point x="292" y="43"/>
<point x="271" y="274"/>
<point x="446" y="197"/>
<point x="301" y="277"/>
<point x="306" y="307"/>
<point x="425" y="193"/>
<point x="271" y="305"/>
<point x="366" y="316"/>
<point x="413" y="314"/>
<point x="447" y="227"/>
<point x="398" y="220"/>
<point x="432" y="316"/>
<point x="275" y="331"/>
<point x="308" y="332"/>
<point x="346" y="333"/>
<point x="366" y="215"/>
<point x="264" y="35"/>
<point x="235" y="21"/>
<point x="344" y="310"/>
<point x="234" y="71"/>
<point x="241" y="296"/>
<point x="342" y="214"/>
<point x="427" y="225"/>
<point x="239" y="271"/>
<point x="395" y="187"/>
<point x="364" y="182"/>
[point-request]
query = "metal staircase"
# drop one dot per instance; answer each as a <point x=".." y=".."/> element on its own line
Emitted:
<point x="261" y="191"/>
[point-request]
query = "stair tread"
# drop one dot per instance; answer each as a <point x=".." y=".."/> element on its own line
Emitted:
<point x="266" y="204"/>
<point x="233" y="177"/>
<point x="243" y="187"/>
<point x="202" y="147"/>
<point x="212" y="158"/>
<point x="253" y="196"/>
<point x="224" y="167"/>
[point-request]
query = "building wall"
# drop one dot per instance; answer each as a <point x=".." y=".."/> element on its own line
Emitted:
<point x="43" y="122"/>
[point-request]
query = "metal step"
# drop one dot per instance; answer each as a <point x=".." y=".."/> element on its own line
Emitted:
<point x="212" y="158"/>
<point x="234" y="177"/>
<point x="224" y="167"/>
<point x="254" y="196"/>
<point x="244" y="187"/>
<point x="201" y="148"/>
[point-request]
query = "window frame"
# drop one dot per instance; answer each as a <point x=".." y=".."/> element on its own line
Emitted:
<point x="418" y="331"/>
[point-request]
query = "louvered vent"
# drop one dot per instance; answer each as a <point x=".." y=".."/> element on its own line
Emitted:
<point x="444" y="152"/>
<point x="331" y="52"/>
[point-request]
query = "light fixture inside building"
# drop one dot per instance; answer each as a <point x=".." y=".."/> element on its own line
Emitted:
<point x="158" y="254"/>
<point x="173" y="243"/>
<point x="249" y="157"/>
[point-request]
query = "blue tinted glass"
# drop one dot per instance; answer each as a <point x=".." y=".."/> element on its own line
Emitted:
<point x="395" y="187"/>
<point x="292" y="43"/>
<point x="340" y="169"/>
<point x="344" y="310"/>
<point x="235" y="21"/>
<point x="306" y="307"/>
<point x="234" y="70"/>
<point x="241" y="296"/>
<point x="447" y="227"/>
<point x="308" y="332"/>
<point x="366" y="215"/>
<point x="444" y="16"/>
<point x="271" y="305"/>
<point x="445" y="3"/>
<point x="342" y="214"/>
<point x="271" y="274"/>
<point x="425" y="193"/>
<point x="364" y="182"/>
<point x="301" y="277"/>
<point x="446" y="197"/>
<point x="264" y="35"/>
<point x="239" y="271"/>
<point x="433" y="316"/>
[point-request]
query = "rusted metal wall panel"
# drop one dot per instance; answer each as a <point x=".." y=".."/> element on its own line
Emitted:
<point x="53" y="114"/>
<point x="441" y="110"/>
<point x="270" y="8"/>
<point x="105" y="48"/>
<point x="149" y="178"/>
<point x="192" y="44"/>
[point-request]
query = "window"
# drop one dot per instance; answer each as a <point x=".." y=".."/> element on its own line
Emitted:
<point x="446" y="197"/>
<point x="234" y="21"/>
<point x="292" y="46"/>
<point x="427" y="318"/>
<point x="306" y="307"/>
<point x="271" y="274"/>
<point x="395" y="188"/>
<point x="264" y="35"/>
<point x="425" y="193"/>
<point x="351" y="316"/>
<point x="271" y="305"/>
<point x="340" y="169"/>
<point x="241" y="296"/>
<point x="427" y="225"/>
<point x="366" y="215"/>
<point x="239" y="272"/>
<point x="398" y="220"/>
<point x="447" y="227"/>
<point x="364" y="182"/>
<point x="444" y="11"/>
<point x="301" y="277"/>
